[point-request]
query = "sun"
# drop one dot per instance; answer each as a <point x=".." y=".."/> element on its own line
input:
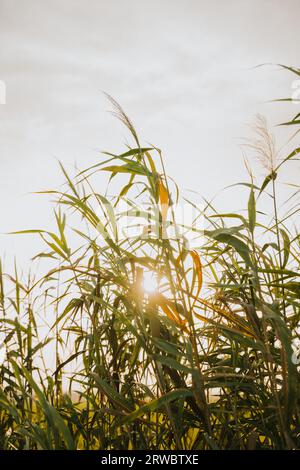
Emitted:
<point x="150" y="282"/>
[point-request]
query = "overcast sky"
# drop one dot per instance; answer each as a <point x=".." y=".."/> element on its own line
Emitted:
<point x="182" y="70"/>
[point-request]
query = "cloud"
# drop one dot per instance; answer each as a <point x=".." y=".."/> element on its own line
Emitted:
<point x="182" y="70"/>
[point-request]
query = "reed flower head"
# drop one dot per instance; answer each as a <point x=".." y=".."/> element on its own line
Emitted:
<point x="263" y="144"/>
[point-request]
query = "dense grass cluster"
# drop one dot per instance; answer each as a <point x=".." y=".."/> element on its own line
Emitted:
<point x="204" y="360"/>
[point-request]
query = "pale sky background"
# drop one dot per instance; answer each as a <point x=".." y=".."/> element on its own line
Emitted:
<point x="183" y="71"/>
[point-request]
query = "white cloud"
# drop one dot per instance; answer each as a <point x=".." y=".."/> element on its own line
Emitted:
<point x="181" y="69"/>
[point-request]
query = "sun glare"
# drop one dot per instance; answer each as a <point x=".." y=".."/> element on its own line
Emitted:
<point x="150" y="282"/>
